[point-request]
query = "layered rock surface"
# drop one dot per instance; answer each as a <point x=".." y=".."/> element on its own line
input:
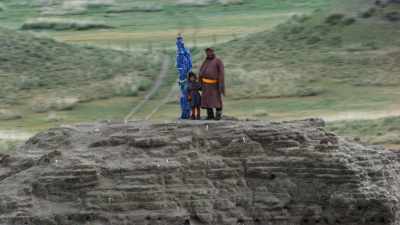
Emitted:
<point x="218" y="173"/>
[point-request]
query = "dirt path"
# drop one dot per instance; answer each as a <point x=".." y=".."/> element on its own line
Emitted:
<point x="153" y="90"/>
<point x="174" y="90"/>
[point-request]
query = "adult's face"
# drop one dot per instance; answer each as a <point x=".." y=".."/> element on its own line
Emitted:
<point x="210" y="53"/>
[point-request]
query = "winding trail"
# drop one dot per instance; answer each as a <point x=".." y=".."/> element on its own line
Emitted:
<point x="172" y="92"/>
<point x="154" y="89"/>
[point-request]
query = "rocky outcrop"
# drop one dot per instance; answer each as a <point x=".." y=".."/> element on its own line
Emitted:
<point x="227" y="172"/>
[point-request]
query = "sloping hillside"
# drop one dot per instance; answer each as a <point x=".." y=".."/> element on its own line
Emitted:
<point x="318" y="54"/>
<point x="31" y="66"/>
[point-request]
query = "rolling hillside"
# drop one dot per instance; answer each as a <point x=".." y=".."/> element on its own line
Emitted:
<point x="31" y="65"/>
<point x="341" y="64"/>
<point x="143" y="24"/>
<point x="309" y="54"/>
<point x="42" y="81"/>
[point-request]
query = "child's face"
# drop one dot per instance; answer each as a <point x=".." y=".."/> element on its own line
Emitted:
<point x="192" y="78"/>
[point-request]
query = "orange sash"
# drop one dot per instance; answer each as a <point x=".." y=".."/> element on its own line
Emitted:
<point x="209" y="81"/>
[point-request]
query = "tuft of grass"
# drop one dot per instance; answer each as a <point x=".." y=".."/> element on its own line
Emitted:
<point x="62" y="24"/>
<point x="53" y="117"/>
<point x="45" y="104"/>
<point x="230" y="2"/>
<point x="334" y="19"/>
<point x="7" y="146"/>
<point x="194" y="3"/>
<point x="33" y="67"/>
<point x="369" y="13"/>
<point x="381" y="131"/>
<point x="208" y="2"/>
<point x="2" y="7"/>
<point x="393" y="16"/>
<point x="144" y="84"/>
<point x="9" y="115"/>
<point x="26" y="83"/>
<point x="142" y="7"/>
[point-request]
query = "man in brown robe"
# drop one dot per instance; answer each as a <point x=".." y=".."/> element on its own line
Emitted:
<point x="213" y="84"/>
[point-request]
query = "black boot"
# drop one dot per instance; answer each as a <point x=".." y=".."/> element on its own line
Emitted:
<point x="218" y="114"/>
<point x="210" y="114"/>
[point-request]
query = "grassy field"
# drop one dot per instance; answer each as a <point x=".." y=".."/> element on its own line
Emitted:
<point x="147" y="24"/>
<point x="46" y="83"/>
<point x="385" y="131"/>
<point x="322" y="60"/>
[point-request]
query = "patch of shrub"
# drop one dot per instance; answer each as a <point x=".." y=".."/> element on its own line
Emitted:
<point x="303" y="18"/>
<point x="43" y="104"/>
<point x="297" y="29"/>
<point x="137" y="8"/>
<point x="53" y="11"/>
<point x="62" y="24"/>
<point x="9" y="115"/>
<point x="9" y="99"/>
<point x="368" y="13"/>
<point x="314" y="40"/>
<point x="53" y="117"/>
<point x="144" y="84"/>
<point x="373" y="45"/>
<point x="230" y="2"/>
<point x="260" y="113"/>
<point x="349" y="21"/>
<point x="65" y="103"/>
<point x="393" y="16"/>
<point x="125" y="86"/>
<point x="335" y="41"/>
<point x="335" y="19"/>
<point x="119" y="86"/>
<point x="208" y="2"/>
<point x="26" y="83"/>
<point x="309" y="91"/>
<point x="193" y="3"/>
<point x="8" y="146"/>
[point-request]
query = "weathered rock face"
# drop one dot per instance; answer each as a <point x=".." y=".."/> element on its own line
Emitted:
<point x="215" y="173"/>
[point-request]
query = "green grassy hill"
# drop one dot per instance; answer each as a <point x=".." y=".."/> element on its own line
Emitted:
<point x="38" y="75"/>
<point x="329" y="61"/>
<point x="309" y="54"/>
<point x="29" y="63"/>
<point x="340" y="63"/>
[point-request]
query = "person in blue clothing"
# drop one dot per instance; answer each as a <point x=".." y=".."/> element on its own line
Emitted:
<point x="184" y="66"/>
<point x="194" y="88"/>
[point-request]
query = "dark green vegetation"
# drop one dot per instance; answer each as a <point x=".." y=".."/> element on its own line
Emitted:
<point x="62" y="24"/>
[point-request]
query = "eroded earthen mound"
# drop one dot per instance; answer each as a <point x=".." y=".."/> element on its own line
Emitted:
<point x="208" y="172"/>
